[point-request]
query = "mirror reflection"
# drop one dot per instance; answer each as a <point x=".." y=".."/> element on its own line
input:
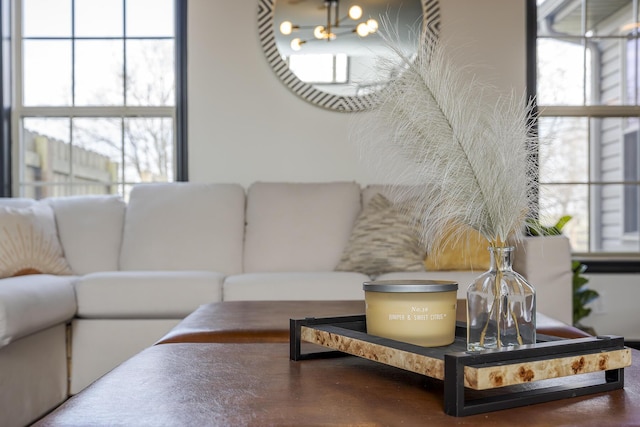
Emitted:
<point x="335" y="45"/>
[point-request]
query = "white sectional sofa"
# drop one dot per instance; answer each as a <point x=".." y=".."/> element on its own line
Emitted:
<point x="138" y="268"/>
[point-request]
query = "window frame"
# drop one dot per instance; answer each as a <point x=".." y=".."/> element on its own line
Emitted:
<point x="9" y="129"/>
<point x="596" y="262"/>
<point x="631" y="199"/>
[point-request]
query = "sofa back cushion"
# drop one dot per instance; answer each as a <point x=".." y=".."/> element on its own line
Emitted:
<point x="90" y="230"/>
<point x="17" y="202"/>
<point x="298" y="226"/>
<point x="184" y="226"/>
<point x="371" y="190"/>
<point x="393" y="193"/>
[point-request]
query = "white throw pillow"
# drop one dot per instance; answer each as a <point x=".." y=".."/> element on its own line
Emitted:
<point x="29" y="242"/>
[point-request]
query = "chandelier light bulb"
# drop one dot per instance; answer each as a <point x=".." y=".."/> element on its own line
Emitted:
<point x="296" y="44"/>
<point x="373" y="25"/>
<point x="362" y="29"/>
<point x="286" y="27"/>
<point x="355" y="12"/>
<point x="319" y="32"/>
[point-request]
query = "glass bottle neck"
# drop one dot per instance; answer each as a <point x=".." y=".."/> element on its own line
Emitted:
<point x="501" y="257"/>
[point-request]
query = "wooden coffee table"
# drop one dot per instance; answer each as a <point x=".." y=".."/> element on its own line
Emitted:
<point x="268" y="321"/>
<point x="243" y="383"/>
<point x="252" y="321"/>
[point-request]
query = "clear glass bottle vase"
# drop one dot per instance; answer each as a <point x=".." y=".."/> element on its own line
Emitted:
<point x="501" y="306"/>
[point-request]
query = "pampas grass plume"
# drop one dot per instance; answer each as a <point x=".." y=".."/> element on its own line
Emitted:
<point x="465" y="162"/>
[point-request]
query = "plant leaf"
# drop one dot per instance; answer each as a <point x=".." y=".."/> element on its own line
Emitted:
<point x="562" y="222"/>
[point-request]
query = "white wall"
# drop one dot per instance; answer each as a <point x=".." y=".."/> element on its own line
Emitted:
<point x="245" y="125"/>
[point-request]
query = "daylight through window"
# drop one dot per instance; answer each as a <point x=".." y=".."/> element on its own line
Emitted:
<point x="95" y="105"/>
<point x="588" y="81"/>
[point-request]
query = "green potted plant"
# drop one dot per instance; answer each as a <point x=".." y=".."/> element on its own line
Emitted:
<point x="581" y="294"/>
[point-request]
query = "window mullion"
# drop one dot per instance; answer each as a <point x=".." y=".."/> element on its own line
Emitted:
<point x="17" y="154"/>
<point x="124" y="53"/>
<point x="589" y="111"/>
<point x="97" y="111"/>
<point x="583" y="30"/>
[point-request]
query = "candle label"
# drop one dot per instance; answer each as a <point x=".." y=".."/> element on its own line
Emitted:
<point x="418" y="313"/>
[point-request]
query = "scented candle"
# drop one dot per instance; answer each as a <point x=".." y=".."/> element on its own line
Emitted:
<point x="421" y="312"/>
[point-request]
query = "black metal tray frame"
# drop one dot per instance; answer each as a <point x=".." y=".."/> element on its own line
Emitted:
<point x="457" y="399"/>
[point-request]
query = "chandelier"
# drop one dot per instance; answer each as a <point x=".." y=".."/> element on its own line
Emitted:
<point x="332" y="29"/>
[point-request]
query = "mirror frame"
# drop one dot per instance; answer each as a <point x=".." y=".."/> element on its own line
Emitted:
<point x="266" y="32"/>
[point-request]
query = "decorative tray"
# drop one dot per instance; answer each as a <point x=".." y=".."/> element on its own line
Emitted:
<point x="478" y="382"/>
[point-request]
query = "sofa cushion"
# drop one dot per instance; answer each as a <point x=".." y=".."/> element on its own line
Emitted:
<point x="371" y="190"/>
<point x="145" y="294"/>
<point x="393" y="193"/>
<point x="298" y="226"/>
<point x="90" y="229"/>
<point x="184" y="226"/>
<point x="325" y="285"/>
<point x="17" y="202"/>
<point x="29" y="242"/>
<point x="32" y="303"/>
<point x="99" y="345"/>
<point x="385" y="238"/>
<point x="465" y="250"/>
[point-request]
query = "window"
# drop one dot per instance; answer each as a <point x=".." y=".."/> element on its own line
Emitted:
<point x="94" y="109"/>
<point x="588" y="92"/>
<point x="320" y="68"/>
<point x="631" y="192"/>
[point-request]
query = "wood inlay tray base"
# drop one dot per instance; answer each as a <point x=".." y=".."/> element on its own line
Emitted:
<point x="484" y="381"/>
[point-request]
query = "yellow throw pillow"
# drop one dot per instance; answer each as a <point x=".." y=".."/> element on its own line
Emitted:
<point x="467" y="251"/>
<point x="29" y="242"/>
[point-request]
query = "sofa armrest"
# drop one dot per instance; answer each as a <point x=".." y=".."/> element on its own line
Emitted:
<point x="546" y="263"/>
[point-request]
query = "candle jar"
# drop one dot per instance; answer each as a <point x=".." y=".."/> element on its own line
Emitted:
<point x="421" y="312"/>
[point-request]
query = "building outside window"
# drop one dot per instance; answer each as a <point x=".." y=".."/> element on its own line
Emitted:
<point x="588" y="81"/>
<point x="95" y="102"/>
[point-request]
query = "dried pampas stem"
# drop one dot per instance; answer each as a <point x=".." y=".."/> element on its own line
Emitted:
<point x="464" y="162"/>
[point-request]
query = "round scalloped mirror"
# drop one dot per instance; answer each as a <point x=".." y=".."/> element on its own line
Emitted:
<point x="325" y="51"/>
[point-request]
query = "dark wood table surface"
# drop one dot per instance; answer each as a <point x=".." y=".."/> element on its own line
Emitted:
<point x="208" y="384"/>
<point x="268" y="321"/>
<point x="243" y="383"/>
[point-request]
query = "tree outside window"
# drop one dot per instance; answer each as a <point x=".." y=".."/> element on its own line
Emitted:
<point x="96" y="110"/>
